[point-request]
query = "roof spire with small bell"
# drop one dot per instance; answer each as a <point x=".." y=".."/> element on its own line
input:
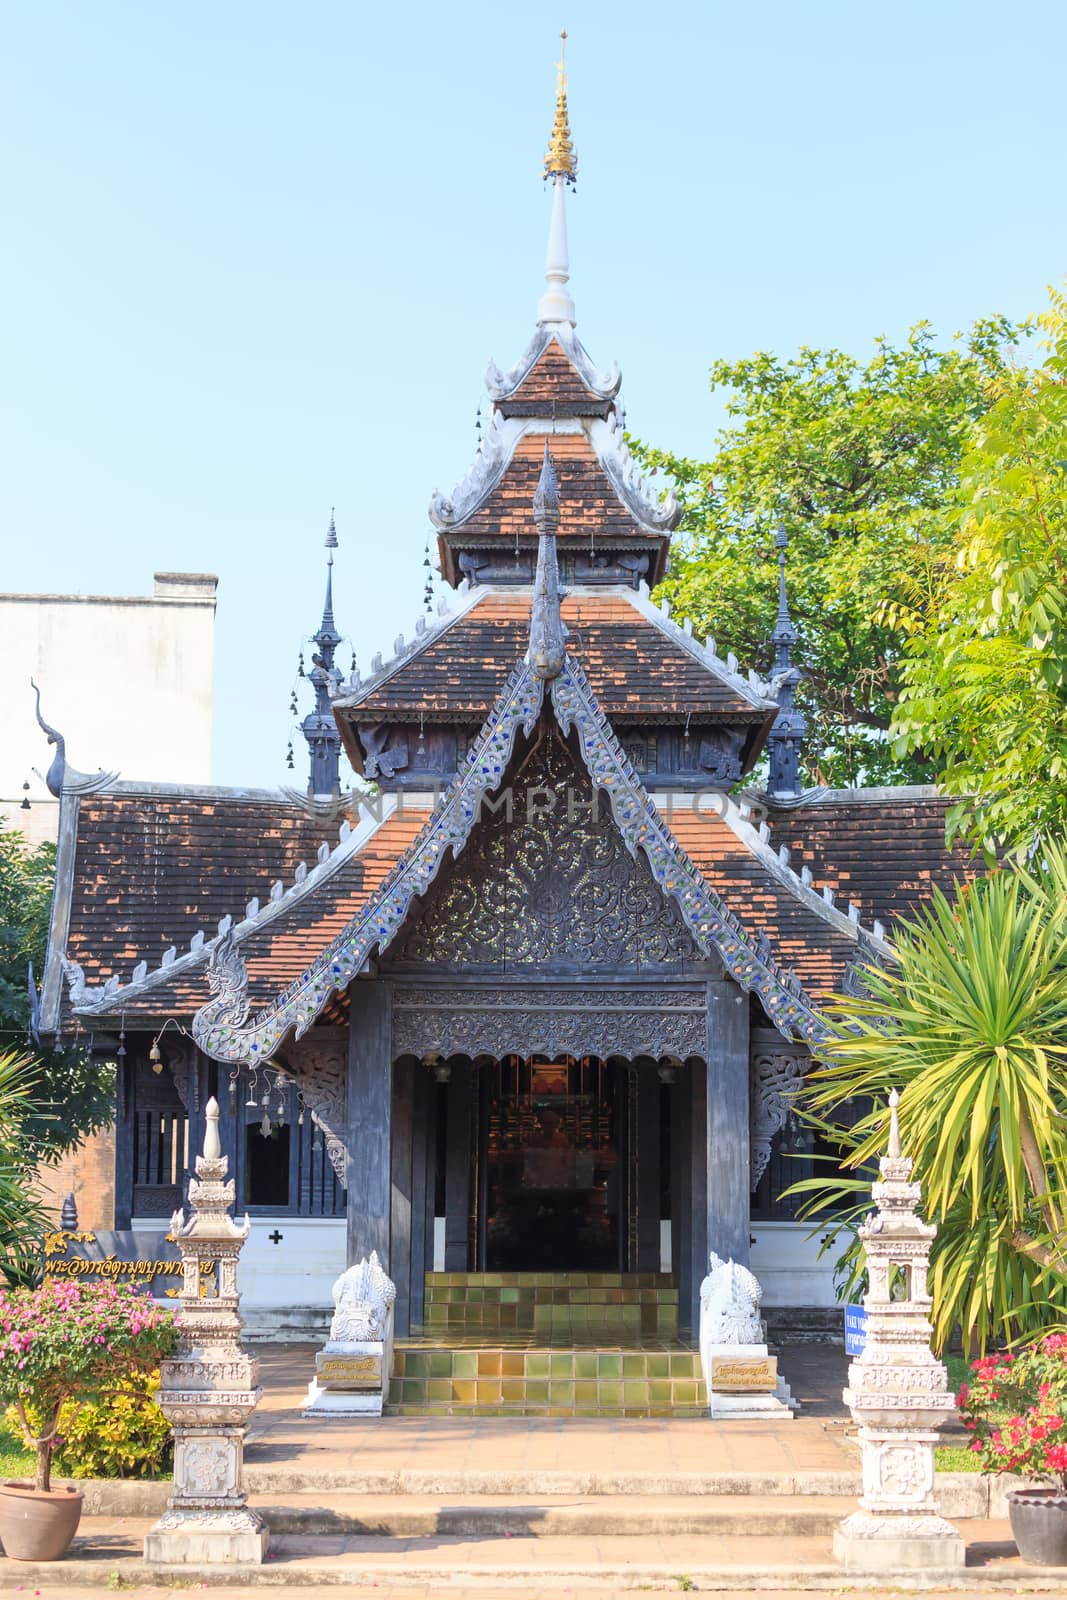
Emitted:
<point x="561" y="166"/>
<point x="319" y="727"/>
<point x="789" y="728"/>
<point x="548" y="635"/>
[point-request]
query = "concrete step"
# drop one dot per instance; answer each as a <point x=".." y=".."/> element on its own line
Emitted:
<point x="967" y="1495"/>
<point x="554" y="1516"/>
<point x="106" y="1556"/>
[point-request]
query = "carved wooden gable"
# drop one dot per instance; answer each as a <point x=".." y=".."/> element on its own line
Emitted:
<point x="546" y="882"/>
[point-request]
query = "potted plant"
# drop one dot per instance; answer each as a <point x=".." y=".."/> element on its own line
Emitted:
<point x="65" y="1342"/>
<point x="1015" y="1407"/>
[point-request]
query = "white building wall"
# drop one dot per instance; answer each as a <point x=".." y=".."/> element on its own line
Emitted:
<point x="127" y="680"/>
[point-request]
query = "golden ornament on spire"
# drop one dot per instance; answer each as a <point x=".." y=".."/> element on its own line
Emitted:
<point x="560" y="159"/>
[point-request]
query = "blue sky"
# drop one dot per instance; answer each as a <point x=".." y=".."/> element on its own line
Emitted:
<point x="255" y="256"/>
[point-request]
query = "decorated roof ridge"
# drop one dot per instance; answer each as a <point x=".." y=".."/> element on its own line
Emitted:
<point x="222" y="1028"/>
<point x="548" y="634"/>
<point x="654" y="513"/>
<point x="716" y="927"/>
<point x="601" y="385"/>
<point x="219" y="1027"/>
<point x="427" y="631"/>
<point x="750" y="685"/>
<point x="875" y="794"/>
<point x="107" y="997"/>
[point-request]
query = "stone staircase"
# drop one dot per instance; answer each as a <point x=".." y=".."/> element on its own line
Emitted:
<point x="531" y="1533"/>
<point x="548" y="1344"/>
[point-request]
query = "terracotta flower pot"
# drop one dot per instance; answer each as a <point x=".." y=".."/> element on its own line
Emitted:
<point x="37" y="1524"/>
<point x="1039" y="1525"/>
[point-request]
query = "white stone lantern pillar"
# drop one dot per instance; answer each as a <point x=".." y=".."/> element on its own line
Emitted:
<point x="897" y="1390"/>
<point x="208" y="1390"/>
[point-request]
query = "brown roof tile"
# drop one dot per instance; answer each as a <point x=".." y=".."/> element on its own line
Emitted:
<point x="886" y="853"/>
<point x="800" y="938"/>
<point x="553" y="382"/>
<point x="150" y="872"/>
<point x="635" y="669"/>
<point x="589" y="505"/>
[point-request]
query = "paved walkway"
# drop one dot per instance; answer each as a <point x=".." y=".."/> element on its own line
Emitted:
<point x="575" y="1447"/>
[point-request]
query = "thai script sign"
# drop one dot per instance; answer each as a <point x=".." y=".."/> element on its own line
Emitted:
<point x="744" y="1375"/>
<point x="150" y="1260"/>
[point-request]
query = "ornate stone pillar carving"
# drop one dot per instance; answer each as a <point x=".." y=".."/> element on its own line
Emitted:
<point x="897" y="1391"/>
<point x="208" y="1390"/>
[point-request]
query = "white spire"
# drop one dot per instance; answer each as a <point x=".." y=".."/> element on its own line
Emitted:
<point x="561" y="165"/>
<point x="556" y="305"/>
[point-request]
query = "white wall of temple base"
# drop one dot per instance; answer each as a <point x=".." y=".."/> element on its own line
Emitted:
<point x="285" y="1283"/>
<point x="787" y="1263"/>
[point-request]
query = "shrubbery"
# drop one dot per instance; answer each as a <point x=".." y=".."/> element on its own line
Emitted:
<point x="67" y="1345"/>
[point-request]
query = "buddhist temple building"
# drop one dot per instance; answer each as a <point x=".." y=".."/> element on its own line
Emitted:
<point x="522" y="1014"/>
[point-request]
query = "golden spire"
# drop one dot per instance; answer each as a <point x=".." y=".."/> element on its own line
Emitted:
<point x="560" y="159"/>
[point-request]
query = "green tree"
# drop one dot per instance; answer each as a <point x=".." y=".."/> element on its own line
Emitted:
<point x="971" y="1026"/>
<point x="858" y="460"/>
<point x="985" y="669"/>
<point x="74" y="1095"/>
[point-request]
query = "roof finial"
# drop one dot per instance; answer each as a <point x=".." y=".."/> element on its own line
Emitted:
<point x="560" y="158"/>
<point x="561" y="165"/>
<point x="547" y="632"/>
<point x="319" y="727"/>
<point x="789" y="727"/>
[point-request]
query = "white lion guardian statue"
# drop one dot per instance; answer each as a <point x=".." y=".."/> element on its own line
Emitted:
<point x="363" y="1302"/>
<point x="730" y="1305"/>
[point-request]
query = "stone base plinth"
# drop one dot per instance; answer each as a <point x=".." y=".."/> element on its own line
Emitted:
<point x="341" y="1402"/>
<point x="772" y="1398"/>
<point x="730" y="1407"/>
<point x="207" y="1538"/>
<point x="864" y="1543"/>
<point x="352" y="1379"/>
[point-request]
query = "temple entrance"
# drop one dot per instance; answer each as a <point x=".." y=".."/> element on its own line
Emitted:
<point x="552" y="1134"/>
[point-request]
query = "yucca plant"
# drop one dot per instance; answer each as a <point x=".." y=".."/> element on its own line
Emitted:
<point x="23" y="1218"/>
<point x="971" y="1025"/>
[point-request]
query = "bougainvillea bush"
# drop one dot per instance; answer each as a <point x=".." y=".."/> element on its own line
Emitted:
<point x="68" y="1343"/>
<point x="1015" y="1408"/>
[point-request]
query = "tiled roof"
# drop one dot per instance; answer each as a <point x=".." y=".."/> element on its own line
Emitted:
<point x="884" y="850"/>
<point x="800" y="937"/>
<point x="553" y="382"/>
<point x="633" y="663"/>
<point x="151" y="871"/>
<point x="590" y="509"/>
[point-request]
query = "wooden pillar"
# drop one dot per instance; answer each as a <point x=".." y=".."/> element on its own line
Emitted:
<point x="459" y="1158"/>
<point x="401" y="1187"/>
<point x="370" y="1096"/>
<point x="125" y="1133"/>
<point x="422" y="1148"/>
<point x="694" y="1263"/>
<point x="728" y="1199"/>
<point x="645" y="1137"/>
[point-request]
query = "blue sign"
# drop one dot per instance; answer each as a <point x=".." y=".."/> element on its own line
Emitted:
<point x="855" y="1330"/>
